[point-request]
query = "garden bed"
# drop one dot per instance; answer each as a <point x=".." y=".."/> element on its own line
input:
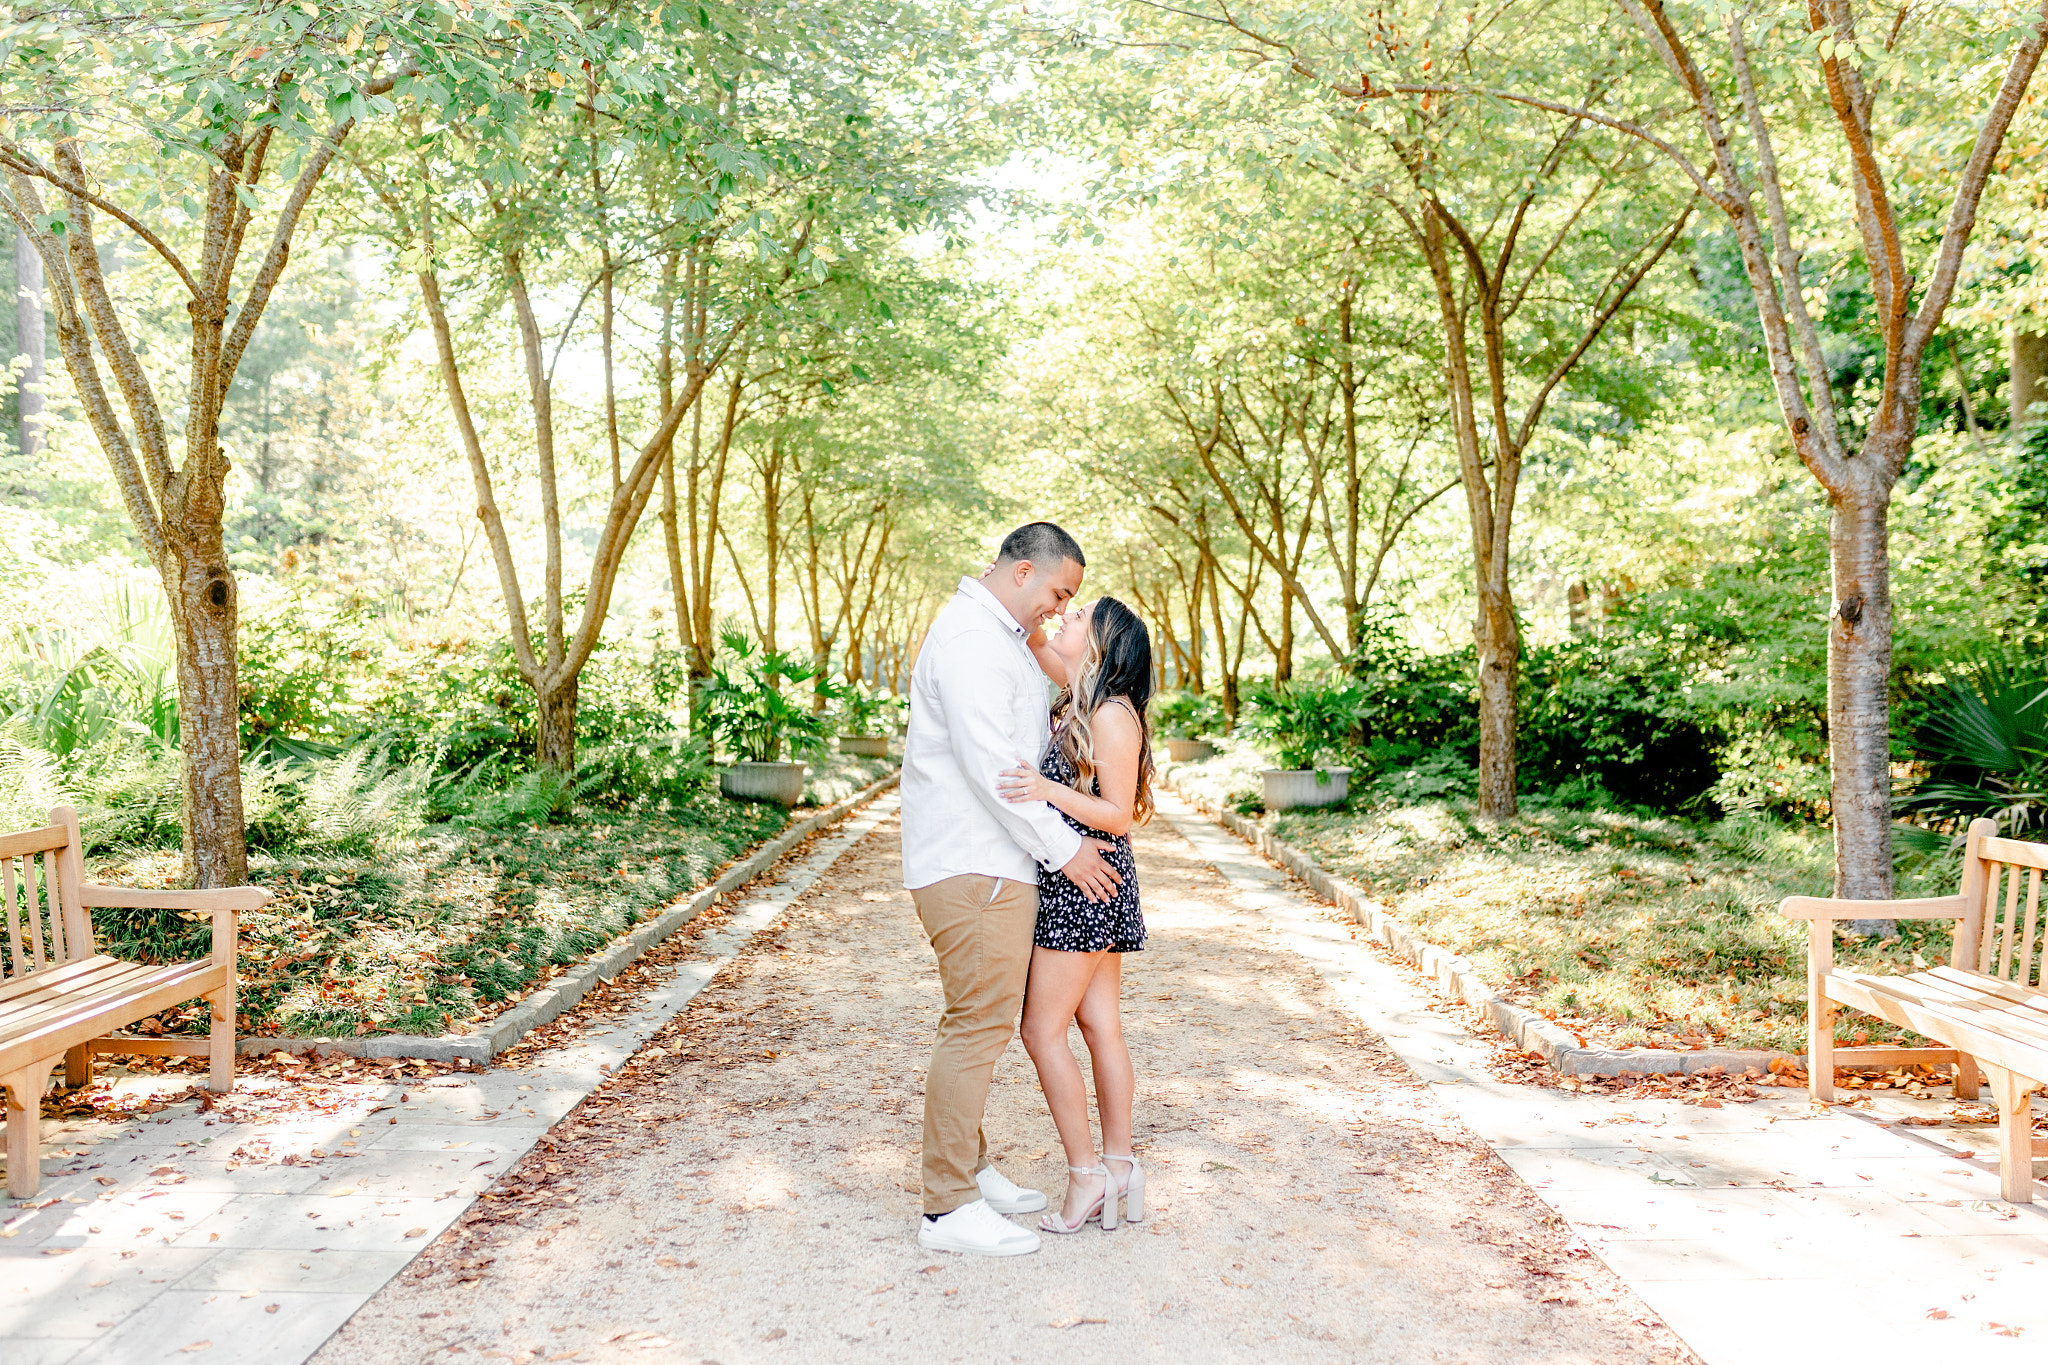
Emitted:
<point x="448" y="928"/>
<point x="1627" y="930"/>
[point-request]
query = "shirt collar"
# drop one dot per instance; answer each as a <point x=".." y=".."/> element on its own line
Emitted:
<point x="972" y="589"/>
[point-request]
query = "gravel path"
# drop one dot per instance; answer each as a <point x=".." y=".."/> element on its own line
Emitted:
<point x="746" y="1189"/>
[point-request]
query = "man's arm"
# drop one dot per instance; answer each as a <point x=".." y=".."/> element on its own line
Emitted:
<point x="977" y="729"/>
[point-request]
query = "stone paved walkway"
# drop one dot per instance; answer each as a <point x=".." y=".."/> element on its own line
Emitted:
<point x="1336" y="1177"/>
<point x="187" y="1237"/>
<point x="749" y="1193"/>
<point x="1762" y="1233"/>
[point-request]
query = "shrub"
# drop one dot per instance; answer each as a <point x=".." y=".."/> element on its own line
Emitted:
<point x="1416" y="704"/>
<point x="1616" y="716"/>
<point x="1187" y="715"/>
<point x="360" y="799"/>
<point x="865" y="710"/>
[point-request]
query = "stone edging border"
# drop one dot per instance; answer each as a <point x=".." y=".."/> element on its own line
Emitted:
<point x="565" y="990"/>
<point x="1528" y="1030"/>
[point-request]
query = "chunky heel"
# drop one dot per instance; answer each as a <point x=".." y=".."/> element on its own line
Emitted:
<point x="1132" y="1190"/>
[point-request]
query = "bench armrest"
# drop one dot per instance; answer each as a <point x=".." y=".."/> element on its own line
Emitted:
<point x="222" y="902"/>
<point x="239" y="899"/>
<point x="1828" y="908"/>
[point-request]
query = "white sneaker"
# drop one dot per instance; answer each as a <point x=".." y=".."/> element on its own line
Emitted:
<point x="1005" y="1197"/>
<point x="977" y="1230"/>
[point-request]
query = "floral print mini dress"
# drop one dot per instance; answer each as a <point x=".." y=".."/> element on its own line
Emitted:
<point x="1068" y="921"/>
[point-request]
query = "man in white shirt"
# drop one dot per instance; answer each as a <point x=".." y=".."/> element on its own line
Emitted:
<point x="978" y="706"/>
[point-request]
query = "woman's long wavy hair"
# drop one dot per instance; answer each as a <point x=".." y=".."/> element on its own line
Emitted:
<point x="1118" y="665"/>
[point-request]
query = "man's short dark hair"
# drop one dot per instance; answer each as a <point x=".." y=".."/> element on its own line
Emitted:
<point x="1043" y="543"/>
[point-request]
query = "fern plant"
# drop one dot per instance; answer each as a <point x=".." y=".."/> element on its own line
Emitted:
<point x="361" y="798"/>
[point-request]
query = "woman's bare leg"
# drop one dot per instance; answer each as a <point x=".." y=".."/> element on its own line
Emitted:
<point x="1058" y="983"/>
<point x="1102" y="1028"/>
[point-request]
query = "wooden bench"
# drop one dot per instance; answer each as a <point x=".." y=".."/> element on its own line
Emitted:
<point x="1986" y="1006"/>
<point x="59" y="998"/>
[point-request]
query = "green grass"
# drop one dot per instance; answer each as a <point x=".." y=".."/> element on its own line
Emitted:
<point x="446" y="928"/>
<point x="1630" y="930"/>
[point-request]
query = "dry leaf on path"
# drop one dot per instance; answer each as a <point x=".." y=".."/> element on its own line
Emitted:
<point x="1065" y="1323"/>
<point x="415" y="1232"/>
<point x="1938" y="1313"/>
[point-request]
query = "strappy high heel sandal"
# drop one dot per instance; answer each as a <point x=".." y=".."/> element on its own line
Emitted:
<point x="1057" y="1223"/>
<point x="1131" y="1191"/>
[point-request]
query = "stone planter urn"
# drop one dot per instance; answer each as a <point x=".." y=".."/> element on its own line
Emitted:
<point x="1189" y="750"/>
<point x="1290" y="787"/>
<point x="782" y="783"/>
<point x="867" y="746"/>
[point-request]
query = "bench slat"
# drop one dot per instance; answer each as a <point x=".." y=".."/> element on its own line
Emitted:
<point x="15" y="987"/>
<point x="107" y="983"/>
<point x="2002" y="850"/>
<point x="1955" y="1002"/>
<point x="91" y="1018"/>
<point x="26" y="1013"/>
<point x="20" y="1011"/>
<point x="1997" y="1048"/>
<point x="1978" y="1001"/>
<point x="2034" y="1002"/>
<point x="13" y="914"/>
<point x="1982" y="998"/>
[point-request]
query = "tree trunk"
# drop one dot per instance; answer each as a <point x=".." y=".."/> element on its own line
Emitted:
<point x="1859" y="695"/>
<point x="2029" y="370"/>
<point x="1499" y="643"/>
<point x="205" y="615"/>
<point x="29" y="343"/>
<point x="555" y="727"/>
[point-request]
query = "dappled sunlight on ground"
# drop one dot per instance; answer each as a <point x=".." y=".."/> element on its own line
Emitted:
<point x="748" y="1192"/>
<point x="1628" y="930"/>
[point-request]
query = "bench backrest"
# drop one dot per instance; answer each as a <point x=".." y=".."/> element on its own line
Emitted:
<point x="40" y="873"/>
<point x="2001" y="932"/>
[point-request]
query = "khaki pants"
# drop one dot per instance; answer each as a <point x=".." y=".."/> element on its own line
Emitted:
<point x="980" y="928"/>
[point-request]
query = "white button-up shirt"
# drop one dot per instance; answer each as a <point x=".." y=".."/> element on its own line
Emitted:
<point x="977" y="706"/>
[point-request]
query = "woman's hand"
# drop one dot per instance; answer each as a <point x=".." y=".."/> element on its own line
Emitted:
<point x="1022" y="783"/>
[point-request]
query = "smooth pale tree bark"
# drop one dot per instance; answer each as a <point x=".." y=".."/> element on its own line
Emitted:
<point x="30" y="344"/>
<point x="693" y="499"/>
<point x="1346" y="518"/>
<point x="176" y="510"/>
<point x="1474" y="277"/>
<point x="1749" y="190"/>
<point x="1483" y="266"/>
<point x="2029" y="360"/>
<point x="844" y="550"/>
<point x="555" y="670"/>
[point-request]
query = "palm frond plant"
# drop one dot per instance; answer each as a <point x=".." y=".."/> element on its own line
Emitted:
<point x="1984" y="734"/>
<point x="1313" y="725"/>
<point x="755" y="706"/>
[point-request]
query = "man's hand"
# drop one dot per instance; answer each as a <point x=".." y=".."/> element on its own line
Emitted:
<point x="1087" y="869"/>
